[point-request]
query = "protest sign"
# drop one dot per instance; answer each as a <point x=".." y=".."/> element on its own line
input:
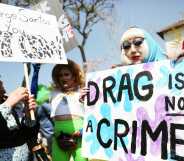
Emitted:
<point x="135" y="113"/>
<point x="55" y="7"/>
<point x="29" y="36"/>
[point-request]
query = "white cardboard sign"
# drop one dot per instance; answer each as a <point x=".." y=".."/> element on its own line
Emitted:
<point x="135" y="113"/>
<point x="29" y="36"/>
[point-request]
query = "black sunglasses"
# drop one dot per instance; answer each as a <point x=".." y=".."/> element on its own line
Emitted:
<point x="127" y="44"/>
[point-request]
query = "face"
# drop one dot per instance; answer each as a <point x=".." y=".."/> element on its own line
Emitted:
<point x="133" y="47"/>
<point x="66" y="78"/>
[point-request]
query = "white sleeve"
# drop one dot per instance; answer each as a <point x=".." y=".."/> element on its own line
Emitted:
<point x="8" y="116"/>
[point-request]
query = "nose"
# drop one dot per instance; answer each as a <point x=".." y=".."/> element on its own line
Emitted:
<point x="63" y="77"/>
<point x="133" y="49"/>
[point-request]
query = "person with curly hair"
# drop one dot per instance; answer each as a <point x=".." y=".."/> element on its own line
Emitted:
<point x="67" y="110"/>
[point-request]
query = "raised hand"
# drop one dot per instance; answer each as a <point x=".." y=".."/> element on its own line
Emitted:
<point x="31" y="103"/>
<point x="83" y="93"/>
<point x="18" y="95"/>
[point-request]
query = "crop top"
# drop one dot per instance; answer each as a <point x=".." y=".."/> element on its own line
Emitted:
<point x="63" y="104"/>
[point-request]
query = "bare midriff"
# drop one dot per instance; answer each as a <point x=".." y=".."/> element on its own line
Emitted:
<point x="66" y="117"/>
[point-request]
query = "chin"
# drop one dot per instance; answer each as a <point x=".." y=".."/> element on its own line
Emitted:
<point x="126" y="61"/>
<point x="136" y="62"/>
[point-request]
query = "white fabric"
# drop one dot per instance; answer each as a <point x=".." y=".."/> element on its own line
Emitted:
<point x="64" y="104"/>
<point x="8" y="116"/>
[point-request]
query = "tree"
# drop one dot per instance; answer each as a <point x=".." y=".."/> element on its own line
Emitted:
<point x="84" y="14"/>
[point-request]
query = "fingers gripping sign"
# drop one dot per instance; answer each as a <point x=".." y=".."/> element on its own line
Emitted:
<point x="83" y="94"/>
<point x="20" y="94"/>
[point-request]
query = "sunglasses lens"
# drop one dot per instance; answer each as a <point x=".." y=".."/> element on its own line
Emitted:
<point x="138" y="42"/>
<point x="126" y="45"/>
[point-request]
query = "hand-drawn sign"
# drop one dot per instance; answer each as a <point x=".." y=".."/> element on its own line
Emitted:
<point x="55" y="7"/>
<point x="135" y="113"/>
<point x="29" y="36"/>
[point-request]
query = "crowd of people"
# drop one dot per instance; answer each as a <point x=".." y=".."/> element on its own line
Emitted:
<point x="59" y="109"/>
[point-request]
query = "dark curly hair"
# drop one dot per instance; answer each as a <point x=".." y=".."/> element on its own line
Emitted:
<point x="76" y="72"/>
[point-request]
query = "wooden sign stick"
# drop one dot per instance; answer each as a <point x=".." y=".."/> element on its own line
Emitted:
<point x="28" y="87"/>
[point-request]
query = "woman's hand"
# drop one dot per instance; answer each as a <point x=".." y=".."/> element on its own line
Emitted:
<point x="78" y="133"/>
<point x="116" y="65"/>
<point x="83" y="93"/>
<point x="18" y="95"/>
<point x="31" y="103"/>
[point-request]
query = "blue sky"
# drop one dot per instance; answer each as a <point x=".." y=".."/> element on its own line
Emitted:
<point x="103" y="43"/>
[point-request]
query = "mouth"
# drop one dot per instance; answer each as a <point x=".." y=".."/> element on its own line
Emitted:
<point x="135" y="58"/>
<point x="65" y="85"/>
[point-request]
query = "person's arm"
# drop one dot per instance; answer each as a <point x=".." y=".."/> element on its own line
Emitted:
<point x="6" y="113"/>
<point x="34" y="81"/>
<point x="30" y="104"/>
<point x="116" y="65"/>
<point x="78" y="133"/>
<point x="20" y="94"/>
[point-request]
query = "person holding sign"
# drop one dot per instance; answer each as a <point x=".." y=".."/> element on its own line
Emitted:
<point x="16" y="131"/>
<point x="67" y="111"/>
<point x="138" y="46"/>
